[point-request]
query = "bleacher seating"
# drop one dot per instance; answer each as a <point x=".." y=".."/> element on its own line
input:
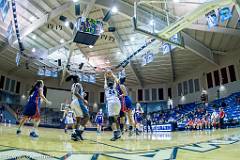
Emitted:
<point x="8" y="117"/>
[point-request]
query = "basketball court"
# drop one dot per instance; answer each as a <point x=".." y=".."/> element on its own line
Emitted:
<point x="94" y="76"/>
<point x="217" y="144"/>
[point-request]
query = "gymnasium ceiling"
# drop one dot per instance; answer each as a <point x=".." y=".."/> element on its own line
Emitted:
<point x="201" y="43"/>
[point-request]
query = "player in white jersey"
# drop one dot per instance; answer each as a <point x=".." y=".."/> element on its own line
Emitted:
<point x="79" y="107"/>
<point x="68" y="117"/>
<point x="113" y="104"/>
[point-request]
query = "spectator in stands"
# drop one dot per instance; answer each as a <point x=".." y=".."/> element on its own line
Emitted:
<point x="149" y="123"/>
<point x="170" y="103"/>
<point x="1" y="117"/>
<point x="207" y="120"/>
<point x="204" y="97"/>
<point x="221" y="118"/>
<point x="2" y="108"/>
<point x="238" y="100"/>
<point x="199" y="124"/>
<point x="215" y="119"/>
<point x="18" y="113"/>
<point x="190" y="124"/>
<point x="223" y="104"/>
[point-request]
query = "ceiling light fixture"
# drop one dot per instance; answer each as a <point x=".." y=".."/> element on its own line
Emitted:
<point x="33" y="50"/>
<point x="62" y="41"/>
<point x="34" y="36"/>
<point x="31" y="18"/>
<point x="114" y="9"/>
<point x="66" y="24"/>
<point x="101" y="31"/>
<point x="151" y="23"/>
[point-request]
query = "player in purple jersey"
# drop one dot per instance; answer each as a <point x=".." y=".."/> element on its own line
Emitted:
<point x="99" y="121"/>
<point x="32" y="108"/>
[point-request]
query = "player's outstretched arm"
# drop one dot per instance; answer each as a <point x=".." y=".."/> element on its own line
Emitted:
<point x="43" y="97"/>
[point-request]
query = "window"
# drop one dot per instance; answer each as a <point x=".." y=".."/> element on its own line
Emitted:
<point x="2" y="80"/>
<point x="224" y="75"/>
<point x="190" y="83"/>
<point x="170" y="92"/>
<point x="7" y="84"/>
<point x="185" y="88"/>
<point x="160" y="94"/>
<point x="140" y="95"/>
<point x="232" y="73"/>
<point x="216" y="78"/>
<point x="154" y="94"/>
<point x="146" y="95"/>
<point x="102" y="97"/>
<point x="196" y="85"/>
<point x="18" y="87"/>
<point x="179" y="89"/>
<point x="209" y="80"/>
<point x="12" y="89"/>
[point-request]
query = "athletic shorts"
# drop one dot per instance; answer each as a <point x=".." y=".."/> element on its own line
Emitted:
<point x="99" y="121"/>
<point x="32" y="109"/>
<point x="122" y="114"/>
<point x="138" y="119"/>
<point x="68" y="120"/>
<point x="79" y="108"/>
<point x="114" y="107"/>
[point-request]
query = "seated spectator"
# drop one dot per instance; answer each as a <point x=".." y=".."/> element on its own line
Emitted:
<point x="1" y="117"/>
<point x="223" y="104"/>
<point x="189" y="124"/>
<point x="215" y="119"/>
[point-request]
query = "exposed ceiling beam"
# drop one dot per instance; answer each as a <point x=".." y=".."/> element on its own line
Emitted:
<point x="172" y="66"/>
<point x="85" y="13"/>
<point x="216" y="29"/>
<point x="198" y="48"/>
<point x="126" y="53"/>
<point x="127" y="10"/>
<point x="191" y="17"/>
<point x="43" y="20"/>
<point x="237" y="5"/>
<point x="89" y="8"/>
<point x="66" y="66"/>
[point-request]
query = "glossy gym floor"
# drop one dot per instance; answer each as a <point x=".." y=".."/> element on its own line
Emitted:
<point x="184" y="145"/>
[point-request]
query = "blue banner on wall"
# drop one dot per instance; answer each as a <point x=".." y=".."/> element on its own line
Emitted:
<point x="4" y="7"/>
<point x="225" y="14"/>
<point x="212" y="19"/>
<point x="160" y="128"/>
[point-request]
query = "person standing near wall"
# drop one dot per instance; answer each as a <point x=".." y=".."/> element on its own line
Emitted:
<point x="170" y="103"/>
<point x="204" y="97"/>
<point x="149" y="123"/>
<point x="221" y="116"/>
